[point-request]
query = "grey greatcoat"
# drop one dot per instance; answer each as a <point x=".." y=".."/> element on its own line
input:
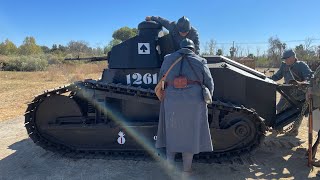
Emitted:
<point x="183" y="121"/>
<point x="173" y="30"/>
<point x="299" y="71"/>
<point x="315" y="90"/>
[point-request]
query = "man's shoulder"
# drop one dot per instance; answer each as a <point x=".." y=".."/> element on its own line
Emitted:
<point x="198" y="58"/>
<point x="201" y="59"/>
<point x="282" y="64"/>
<point x="171" y="56"/>
<point x="193" y="31"/>
<point x="302" y="64"/>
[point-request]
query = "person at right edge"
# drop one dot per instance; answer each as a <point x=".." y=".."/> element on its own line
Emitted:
<point x="291" y="70"/>
<point x="179" y="31"/>
<point x="183" y="118"/>
<point x="314" y="93"/>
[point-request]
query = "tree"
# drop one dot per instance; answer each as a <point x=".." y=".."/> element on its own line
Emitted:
<point x="54" y="48"/>
<point x="318" y="52"/>
<point x="8" y="48"/>
<point x="29" y="47"/>
<point x="112" y="43"/>
<point x="79" y="48"/>
<point x="305" y="52"/>
<point x="62" y="48"/>
<point x="45" y="49"/>
<point x="258" y="51"/>
<point x="232" y="52"/>
<point x="251" y="56"/>
<point x="219" y="52"/>
<point x="238" y="51"/>
<point x="98" y="51"/>
<point x="300" y="51"/>
<point x="209" y="47"/>
<point x="275" y="50"/>
<point x="124" y="33"/>
<point x="135" y="31"/>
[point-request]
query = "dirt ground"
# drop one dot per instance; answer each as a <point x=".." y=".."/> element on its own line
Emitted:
<point x="277" y="158"/>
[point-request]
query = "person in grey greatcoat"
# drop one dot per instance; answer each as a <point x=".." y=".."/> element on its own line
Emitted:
<point x="313" y="92"/>
<point x="179" y="31"/>
<point x="291" y="69"/>
<point x="183" y="121"/>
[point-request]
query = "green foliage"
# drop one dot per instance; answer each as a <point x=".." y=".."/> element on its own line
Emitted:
<point x="79" y="48"/>
<point x="112" y="43"/>
<point x="275" y="50"/>
<point x="232" y="50"/>
<point x="45" y="49"/>
<point x="54" y="58"/>
<point x="209" y="47"/>
<point x="25" y="63"/>
<point x="305" y="54"/>
<point x="98" y="51"/>
<point x="124" y="33"/>
<point x="263" y="62"/>
<point x="29" y="47"/>
<point x="58" y="50"/>
<point x="8" y="48"/>
<point x="219" y="52"/>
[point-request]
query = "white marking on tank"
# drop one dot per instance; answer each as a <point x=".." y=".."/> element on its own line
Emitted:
<point x="121" y="139"/>
<point x="143" y="48"/>
<point x="155" y="138"/>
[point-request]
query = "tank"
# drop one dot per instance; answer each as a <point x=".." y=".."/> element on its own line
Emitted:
<point x="118" y="114"/>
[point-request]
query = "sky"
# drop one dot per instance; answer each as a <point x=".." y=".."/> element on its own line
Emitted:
<point x="249" y="23"/>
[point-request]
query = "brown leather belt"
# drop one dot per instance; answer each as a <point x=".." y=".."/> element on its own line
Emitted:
<point x="170" y="83"/>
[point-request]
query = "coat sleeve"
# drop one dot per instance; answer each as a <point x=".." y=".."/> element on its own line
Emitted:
<point x="279" y="74"/>
<point x="207" y="78"/>
<point x="164" y="22"/>
<point x="315" y="90"/>
<point x="196" y="41"/>
<point x="305" y="71"/>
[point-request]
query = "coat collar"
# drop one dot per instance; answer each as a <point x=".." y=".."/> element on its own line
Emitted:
<point x="185" y="51"/>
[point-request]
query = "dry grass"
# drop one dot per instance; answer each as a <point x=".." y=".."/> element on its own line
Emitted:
<point x="19" y="88"/>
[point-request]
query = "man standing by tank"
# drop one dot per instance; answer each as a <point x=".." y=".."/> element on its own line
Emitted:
<point x="314" y="93"/>
<point x="183" y="122"/>
<point x="291" y="69"/>
<point x="179" y="31"/>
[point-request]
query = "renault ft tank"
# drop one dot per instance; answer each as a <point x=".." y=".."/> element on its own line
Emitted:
<point x="118" y="114"/>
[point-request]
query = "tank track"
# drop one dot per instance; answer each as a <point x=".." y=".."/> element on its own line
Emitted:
<point x="229" y="156"/>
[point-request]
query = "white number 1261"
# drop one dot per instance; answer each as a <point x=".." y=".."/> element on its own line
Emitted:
<point x="137" y="78"/>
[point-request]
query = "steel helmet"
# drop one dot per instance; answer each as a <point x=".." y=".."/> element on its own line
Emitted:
<point x="288" y="53"/>
<point x="187" y="43"/>
<point x="183" y="25"/>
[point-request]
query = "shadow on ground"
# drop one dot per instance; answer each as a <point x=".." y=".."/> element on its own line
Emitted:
<point x="272" y="161"/>
<point x="278" y="157"/>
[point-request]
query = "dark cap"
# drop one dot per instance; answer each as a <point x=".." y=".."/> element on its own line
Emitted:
<point x="187" y="43"/>
<point x="288" y="53"/>
<point x="183" y="25"/>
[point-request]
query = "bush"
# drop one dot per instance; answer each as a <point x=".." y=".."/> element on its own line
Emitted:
<point x="263" y="62"/>
<point x="54" y="59"/>
<point x="25" y="63"/>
